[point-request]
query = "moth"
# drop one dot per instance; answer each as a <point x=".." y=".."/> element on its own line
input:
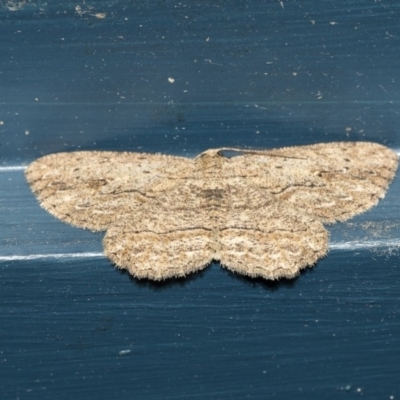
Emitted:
<point x="259" y="213"/>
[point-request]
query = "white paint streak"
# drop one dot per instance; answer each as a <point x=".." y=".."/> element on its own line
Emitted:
<point x="55" y="256"/>
<point x="13" y="168"/>
<point x="351" y="245"/>
<point x="365" y="244"/>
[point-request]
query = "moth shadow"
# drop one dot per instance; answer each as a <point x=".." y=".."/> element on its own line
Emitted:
<point x="246" y="280"/>
<point x="164" y="284"/>
<point x="270" y="285"/>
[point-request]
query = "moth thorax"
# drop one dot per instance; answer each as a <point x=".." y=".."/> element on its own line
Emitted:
<point x="210" y="161"/>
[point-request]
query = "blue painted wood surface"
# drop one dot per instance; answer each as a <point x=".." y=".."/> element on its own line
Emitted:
<point x="181" y="77"/>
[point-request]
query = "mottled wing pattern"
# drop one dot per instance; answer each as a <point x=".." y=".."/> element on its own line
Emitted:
<point x="91" y="189"/>
<point x="247" y="229"/>
<point x="158" y="256"/>
<point x="169" y="236"/>
<point x="333" y="181"/>
<point x="269" y="238"/>
<point x="260" y="214"/>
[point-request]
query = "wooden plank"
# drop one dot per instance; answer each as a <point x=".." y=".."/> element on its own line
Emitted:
<point x="244" y="73"/>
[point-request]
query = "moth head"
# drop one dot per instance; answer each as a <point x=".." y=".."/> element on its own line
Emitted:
<point x="211" y="153"/>
<point x="224" y="152"/>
